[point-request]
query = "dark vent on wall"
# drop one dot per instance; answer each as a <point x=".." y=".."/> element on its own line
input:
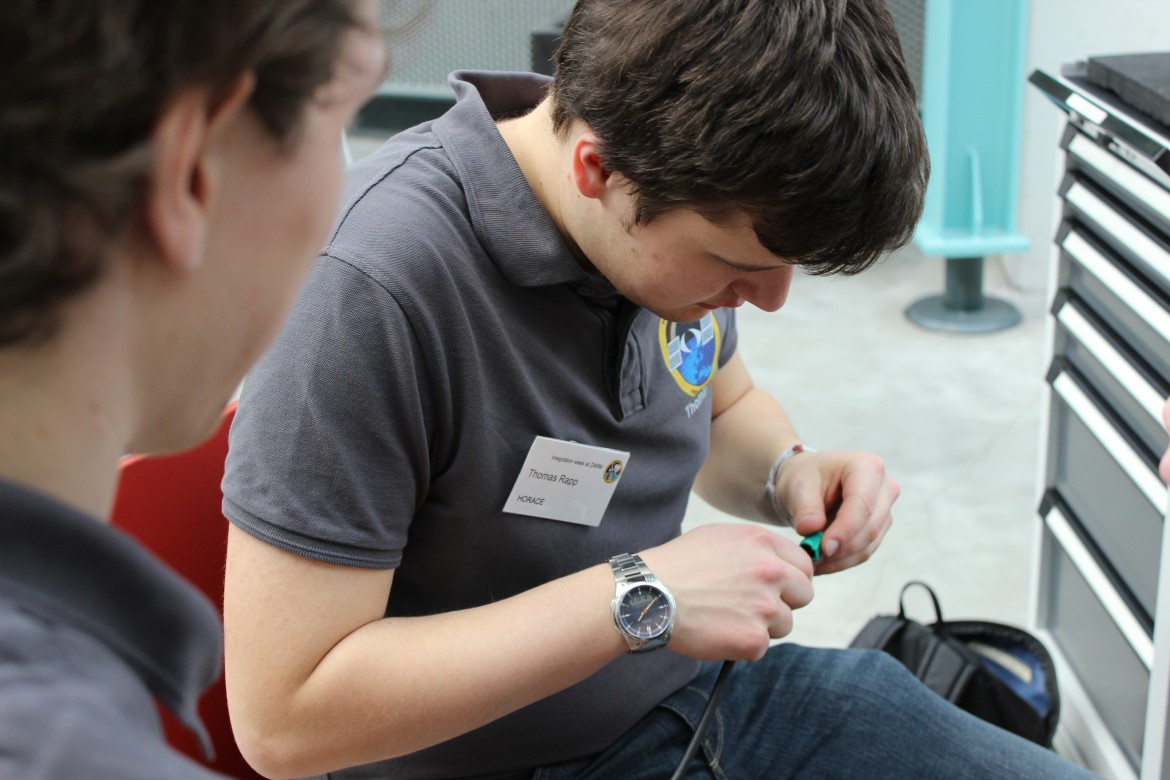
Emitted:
<point x="428" y="39"/>
<point x="910" y="19"/>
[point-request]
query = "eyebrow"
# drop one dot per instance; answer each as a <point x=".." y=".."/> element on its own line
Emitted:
<point x="384" y="71"/>
<point x="358" y="78"/>
<point x="378" y="74"/>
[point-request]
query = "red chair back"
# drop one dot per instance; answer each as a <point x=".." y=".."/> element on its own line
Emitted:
<point x="173" y="505"/>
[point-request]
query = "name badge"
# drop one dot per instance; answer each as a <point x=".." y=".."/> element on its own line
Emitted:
<point x="567" y="481"/>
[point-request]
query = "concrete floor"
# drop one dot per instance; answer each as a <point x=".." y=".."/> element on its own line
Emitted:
<point x="956" y="418"/>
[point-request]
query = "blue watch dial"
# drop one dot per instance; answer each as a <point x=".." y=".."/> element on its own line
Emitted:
<point x="645" y="611"/>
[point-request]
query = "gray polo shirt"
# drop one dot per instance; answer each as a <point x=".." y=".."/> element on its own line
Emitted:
<point x="444" y="328"/>
<point x="92" y="630"/>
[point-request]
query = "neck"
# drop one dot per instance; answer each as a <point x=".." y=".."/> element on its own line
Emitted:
<point x="64" y="418"/>
<point x="544" y="161"/>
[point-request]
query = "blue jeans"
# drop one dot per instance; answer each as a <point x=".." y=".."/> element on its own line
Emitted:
<point x="817" y="713"/>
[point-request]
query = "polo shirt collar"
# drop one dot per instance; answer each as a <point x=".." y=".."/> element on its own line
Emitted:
<point x="505" y="214"/>
<point x="70" y="568"/>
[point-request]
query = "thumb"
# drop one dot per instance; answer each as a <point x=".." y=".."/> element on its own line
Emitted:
<point x="806" y="507"/>
<point x="809" y="523"/>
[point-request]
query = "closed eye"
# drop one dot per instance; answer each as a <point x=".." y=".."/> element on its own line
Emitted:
<point x="750" y="269"/>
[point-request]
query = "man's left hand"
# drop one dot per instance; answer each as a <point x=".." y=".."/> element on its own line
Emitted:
<point x="848" y="495"/>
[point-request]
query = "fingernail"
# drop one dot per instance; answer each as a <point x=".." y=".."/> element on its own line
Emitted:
<point x="830" y="548"/>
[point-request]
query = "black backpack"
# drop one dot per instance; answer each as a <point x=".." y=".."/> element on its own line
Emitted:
<point x="997" y="672"/>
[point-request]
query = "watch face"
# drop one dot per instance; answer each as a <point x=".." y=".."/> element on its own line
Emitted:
<point x="645" y="611"/>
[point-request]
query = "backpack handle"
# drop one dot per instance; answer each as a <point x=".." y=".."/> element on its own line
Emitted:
<point x="933" y="598"/>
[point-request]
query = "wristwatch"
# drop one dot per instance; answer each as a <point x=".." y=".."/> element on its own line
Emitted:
<point x="643" y="608"/>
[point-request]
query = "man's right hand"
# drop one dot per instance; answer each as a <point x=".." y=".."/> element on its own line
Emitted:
<point x="736" y="586"/>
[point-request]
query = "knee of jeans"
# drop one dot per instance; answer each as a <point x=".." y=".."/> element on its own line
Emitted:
<point x="853" y="671"/>
<point x="877" y="665"/>
<point x="878" y="662"/>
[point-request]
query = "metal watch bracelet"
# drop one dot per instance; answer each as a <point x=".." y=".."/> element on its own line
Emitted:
<point x="629" y="567"/>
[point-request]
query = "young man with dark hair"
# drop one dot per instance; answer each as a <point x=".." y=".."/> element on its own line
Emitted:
<point x="168" y="172"/>
<point x="466" y="461"/>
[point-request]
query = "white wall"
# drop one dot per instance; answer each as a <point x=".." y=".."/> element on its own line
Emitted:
<point x="1061" y="31"/>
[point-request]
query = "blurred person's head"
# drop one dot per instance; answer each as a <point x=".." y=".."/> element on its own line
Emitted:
<point x="794" y="120"/>
<point x="168" y="172"/>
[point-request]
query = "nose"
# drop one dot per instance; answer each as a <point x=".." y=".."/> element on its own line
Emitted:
<point x="766" y="290"/>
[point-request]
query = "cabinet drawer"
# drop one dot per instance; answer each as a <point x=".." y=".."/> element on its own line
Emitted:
<point x="1145" y="249"/>
<point x="1136" y="312"/>
<point x="1110" y="655"/>
<point x="1115" y="491"/>
<point x="1123" y="381"/>
<point x="1135" y="192"/>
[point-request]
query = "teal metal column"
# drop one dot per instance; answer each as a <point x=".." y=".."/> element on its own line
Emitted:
<point x="972" y="101"/>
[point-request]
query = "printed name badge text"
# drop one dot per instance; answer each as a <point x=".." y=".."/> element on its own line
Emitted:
<point x="566" y="481"/>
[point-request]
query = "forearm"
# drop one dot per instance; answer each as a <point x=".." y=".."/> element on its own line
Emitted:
<point x="317" y="679"/>
<point x="394" y="686"/>
<point x="746" y="438"/>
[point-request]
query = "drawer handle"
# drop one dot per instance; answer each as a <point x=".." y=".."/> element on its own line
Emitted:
<point x="1142" y="188"/>
<point x="1086" y="109"/>
<point x="1142" y="391"/>
<point x="1110" y="599"/>
<point x="1121" y="285"/>
<point x="1131" y="463"/>
<point x="1129" y="234"/>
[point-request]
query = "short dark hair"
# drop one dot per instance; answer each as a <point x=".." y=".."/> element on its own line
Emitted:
<point x="82" y="86"/>
<point x="797" y="113"/>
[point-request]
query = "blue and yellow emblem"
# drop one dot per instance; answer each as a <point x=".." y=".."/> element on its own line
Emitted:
<point x="691" y="351"/>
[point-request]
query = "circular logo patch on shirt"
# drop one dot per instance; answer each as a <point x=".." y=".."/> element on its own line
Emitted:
<point x="691" y="351"/>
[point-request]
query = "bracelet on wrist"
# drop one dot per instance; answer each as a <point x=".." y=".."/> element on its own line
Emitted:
<point x="774" y="474"/>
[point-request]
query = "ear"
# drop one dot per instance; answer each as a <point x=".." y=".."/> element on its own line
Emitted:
<point x="182" y="185"/>
<point x="589" y="172"/>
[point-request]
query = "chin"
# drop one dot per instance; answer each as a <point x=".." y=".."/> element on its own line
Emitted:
<point x="182" y="430"/>
<point x="692" y="313"/>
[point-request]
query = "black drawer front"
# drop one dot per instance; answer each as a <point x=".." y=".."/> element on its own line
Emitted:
<point x="1114" y="676"/>
<point x="1137" y="314"/>
<point x="1128" y="387"/>
<point x="1113" y="489"/>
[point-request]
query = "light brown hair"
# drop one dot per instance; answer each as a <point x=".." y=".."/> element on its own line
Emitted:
<point x="83" y="84"/>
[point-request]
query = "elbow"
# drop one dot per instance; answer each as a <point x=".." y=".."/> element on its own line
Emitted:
<point x="274" y="751"/>
<point x="268" y="759"/>
<point x="273" y="734"/>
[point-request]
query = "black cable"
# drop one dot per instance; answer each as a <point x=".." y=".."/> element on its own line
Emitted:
<point x="708" y="712"/>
